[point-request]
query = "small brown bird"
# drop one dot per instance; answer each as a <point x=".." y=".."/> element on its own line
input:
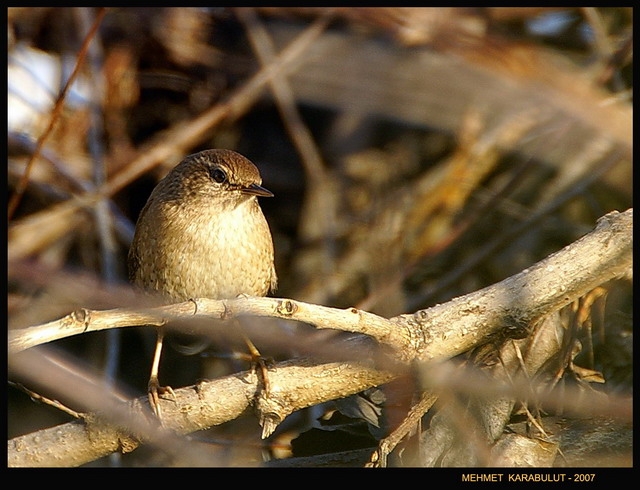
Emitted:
<point x="202" y="234"/>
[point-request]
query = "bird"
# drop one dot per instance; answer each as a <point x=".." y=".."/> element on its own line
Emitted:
<point x="202" y="234"/>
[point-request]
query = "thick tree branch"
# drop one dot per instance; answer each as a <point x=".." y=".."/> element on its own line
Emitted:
<point x="294" y="385"/>
<point x="515" y="303"/>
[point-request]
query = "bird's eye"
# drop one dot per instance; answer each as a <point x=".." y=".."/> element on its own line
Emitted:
<point x="218" y="175"/>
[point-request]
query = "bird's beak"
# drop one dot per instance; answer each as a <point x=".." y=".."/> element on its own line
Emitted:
<point x="256" y="190"/>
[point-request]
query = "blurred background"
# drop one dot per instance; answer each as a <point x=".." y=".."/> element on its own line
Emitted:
<point x="415" y="154"/>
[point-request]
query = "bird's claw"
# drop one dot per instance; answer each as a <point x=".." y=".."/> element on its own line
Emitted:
<point x="155" y="392"/>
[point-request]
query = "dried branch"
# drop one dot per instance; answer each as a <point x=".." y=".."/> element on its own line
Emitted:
<point x="119" y="425"/>
<point x="509" y="308"/>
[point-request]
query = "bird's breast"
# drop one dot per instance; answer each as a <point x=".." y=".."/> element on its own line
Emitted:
<point x="212" y="254"/>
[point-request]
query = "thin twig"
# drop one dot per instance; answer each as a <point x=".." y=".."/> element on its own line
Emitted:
<point x="47" y="401"/>
<point x="55" y="113"/>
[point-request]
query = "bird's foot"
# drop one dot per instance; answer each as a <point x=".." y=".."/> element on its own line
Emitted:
<point x="259" y="364"/>
<point x="155" y="392"/>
